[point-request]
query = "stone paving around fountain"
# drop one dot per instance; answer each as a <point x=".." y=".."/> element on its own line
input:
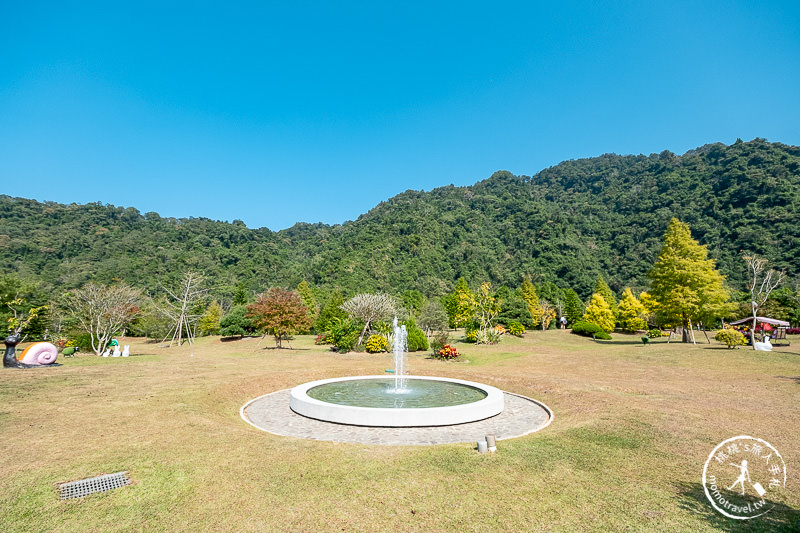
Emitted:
<point x="271" y="413"/>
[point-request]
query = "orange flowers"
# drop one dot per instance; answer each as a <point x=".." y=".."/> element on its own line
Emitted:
<point x="448" y="352"/>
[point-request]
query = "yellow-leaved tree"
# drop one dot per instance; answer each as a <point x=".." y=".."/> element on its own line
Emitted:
<point x="630" y="312"/>
<point x="598" y="312"/>
<point x="685" y="283"/>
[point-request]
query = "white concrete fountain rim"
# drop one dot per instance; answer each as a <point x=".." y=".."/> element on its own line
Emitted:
<point x="301" y="403"/>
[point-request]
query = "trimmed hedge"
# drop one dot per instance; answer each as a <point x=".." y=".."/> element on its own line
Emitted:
<point x="587" y="329"/>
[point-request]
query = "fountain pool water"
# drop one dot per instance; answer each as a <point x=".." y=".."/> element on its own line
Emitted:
<point x="373" y="401"/>
<point x="401" y="401"/>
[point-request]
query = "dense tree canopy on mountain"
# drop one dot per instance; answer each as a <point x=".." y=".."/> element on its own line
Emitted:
<point x="568" y="224"/>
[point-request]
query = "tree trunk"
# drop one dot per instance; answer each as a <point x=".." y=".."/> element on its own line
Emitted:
<point x="363" y="332"/>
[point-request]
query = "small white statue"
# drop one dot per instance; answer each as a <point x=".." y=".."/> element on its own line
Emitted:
<point x="116" y="351"/>
<point x="765" y="346"/>
<point x="126" y="351"/>
<point x="107" y="352"/>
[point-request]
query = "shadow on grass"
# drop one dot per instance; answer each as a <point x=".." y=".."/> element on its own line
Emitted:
<point x="619" y="343"/>
<point x="796" y="379"/>
<point x="625" y="342"/>
<point x="290" y="348"/>
<point x="780" y="518"/>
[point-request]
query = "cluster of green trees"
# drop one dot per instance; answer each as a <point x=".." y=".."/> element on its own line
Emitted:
<point x="561" y="230"/>
<point x="686" y="289"/>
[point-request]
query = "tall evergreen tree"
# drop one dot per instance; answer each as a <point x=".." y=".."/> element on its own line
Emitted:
<point x="685" y="283"/>
<point x="240" y="294"/>
<point x="573" y="307"/>
<point x="602" y="288"/>
<point x="529" y="295"/>
<point x="331" y="311"/>
<point x="306" y="292"/>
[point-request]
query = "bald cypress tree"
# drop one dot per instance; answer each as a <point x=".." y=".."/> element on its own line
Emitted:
<point x="685" y="283"/>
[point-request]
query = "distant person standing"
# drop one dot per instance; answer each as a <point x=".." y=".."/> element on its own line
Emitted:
<point x="563" y="322"/>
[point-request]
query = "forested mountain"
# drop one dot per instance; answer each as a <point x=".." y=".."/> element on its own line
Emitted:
<point x="567" y="224"/>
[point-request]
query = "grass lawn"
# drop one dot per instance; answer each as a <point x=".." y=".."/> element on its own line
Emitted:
<point x="633" y="427"/>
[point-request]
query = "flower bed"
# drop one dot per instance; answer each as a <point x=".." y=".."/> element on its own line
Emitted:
<point x="448" y="352"/>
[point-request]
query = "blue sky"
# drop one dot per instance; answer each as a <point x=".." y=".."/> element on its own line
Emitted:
<point x="275" y="113"/>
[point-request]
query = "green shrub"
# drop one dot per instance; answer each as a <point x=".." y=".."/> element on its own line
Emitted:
<point x="516" y="329"/>
<point x="439" y="341"/>
<point x="587" y="329"/>
<point x="236" y="323"/>
<point x="377" y="343"/>
<point x="730" y="337"/>
<point x="471" y="333"/>
<point x="416" y="338"/>
<point x="83" y="341"/>
<point x="344" y="334"/>
<point x="653" y="333"/>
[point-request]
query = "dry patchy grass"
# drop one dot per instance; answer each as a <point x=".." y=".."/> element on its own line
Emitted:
<point x="634" y="425"/>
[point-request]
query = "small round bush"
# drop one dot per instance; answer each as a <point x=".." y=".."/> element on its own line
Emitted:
<point x="587" y="329"/>
<point x="377" y="343"/>
<point x="516" y="329"/>
<point x="730" y="337"/>
<point x="236" y="323"/>
<point x="653" y="333"/>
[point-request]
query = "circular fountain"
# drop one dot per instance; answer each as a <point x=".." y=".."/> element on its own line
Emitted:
<point x="374" y="401"/>
<point x="400" y="401"/>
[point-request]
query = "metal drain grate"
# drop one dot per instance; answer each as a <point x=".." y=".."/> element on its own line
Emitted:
<point x="84" y="487"/>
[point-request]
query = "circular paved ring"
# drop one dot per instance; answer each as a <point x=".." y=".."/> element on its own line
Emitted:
<point x="271" y="413"/>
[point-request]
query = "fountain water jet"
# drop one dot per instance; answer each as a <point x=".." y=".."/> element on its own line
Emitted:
<point x="399" y="347"/>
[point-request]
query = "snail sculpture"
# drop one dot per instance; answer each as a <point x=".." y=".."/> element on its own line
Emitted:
<point x="36" y="355"/>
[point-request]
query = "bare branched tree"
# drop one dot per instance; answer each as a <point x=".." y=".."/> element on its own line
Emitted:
<point x="760" y="284"/>
<point x="180" y="306"/>
<point x="104" y="311"/>
<point x="370" y="308"/>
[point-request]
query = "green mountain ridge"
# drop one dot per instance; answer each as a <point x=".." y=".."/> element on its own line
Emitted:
<point x="567" y="224"/>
